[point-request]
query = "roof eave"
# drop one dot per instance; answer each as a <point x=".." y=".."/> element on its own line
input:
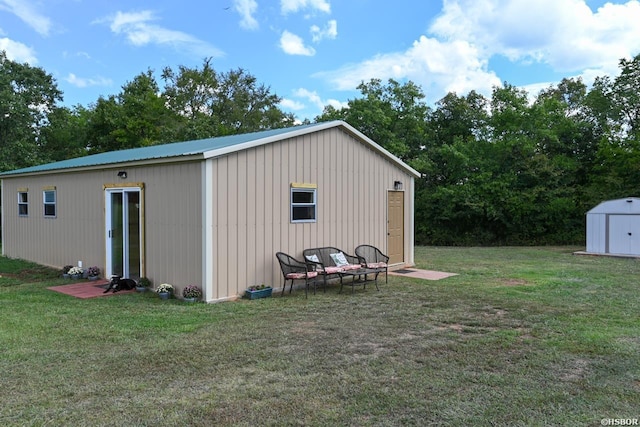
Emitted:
<point x="114" y="165"/>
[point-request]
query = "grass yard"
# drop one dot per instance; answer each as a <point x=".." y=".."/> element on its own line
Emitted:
<point x="522" y="336"/>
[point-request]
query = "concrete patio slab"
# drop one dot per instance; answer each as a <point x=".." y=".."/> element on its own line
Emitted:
<point x="416" y="273"/>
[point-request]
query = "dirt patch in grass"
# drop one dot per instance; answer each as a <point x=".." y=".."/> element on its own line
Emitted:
<point x="574" y="370"/>
<point x="31" y="274"/>
<point x="513" y="282"/>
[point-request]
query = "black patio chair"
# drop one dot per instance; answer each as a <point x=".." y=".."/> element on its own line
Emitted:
<point x="292" y="269"/>
<point x="373" y="258"/>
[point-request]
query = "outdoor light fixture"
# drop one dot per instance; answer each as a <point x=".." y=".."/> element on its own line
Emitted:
<point x="397" y="185"/>
<point x="122" y="174"/>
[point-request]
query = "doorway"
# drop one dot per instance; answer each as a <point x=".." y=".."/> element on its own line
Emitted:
<point x="124" y="232"/>
<point x="624" y="234"/>
<point x="395" y="224"/>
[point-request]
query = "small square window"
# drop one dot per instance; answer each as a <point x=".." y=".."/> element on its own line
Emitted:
<point x="49" y="198"/>
<point x="23" y="203"/>
<point x="303" y="205"/>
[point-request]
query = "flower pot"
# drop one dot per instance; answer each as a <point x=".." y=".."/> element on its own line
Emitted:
<point x="92" y="278"/>
<point x="262" y="293"/>
<point x="76" y="276"/>
<point x="193" y="299"/>
<point x="141" y="288"/>
<point x="164" y="295"/>
<point x="66" y="276"/>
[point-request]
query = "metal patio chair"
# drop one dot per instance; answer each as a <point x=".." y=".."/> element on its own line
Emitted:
<point x="292" y="269"/>
<point x="373" y="258"/>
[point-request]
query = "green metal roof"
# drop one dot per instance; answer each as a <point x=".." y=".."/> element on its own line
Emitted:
<point x="175" y="149"/>
<point x="205" y="148"/>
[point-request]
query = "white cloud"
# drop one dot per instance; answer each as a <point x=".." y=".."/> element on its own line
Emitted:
<point x="25" y="10"/>
<point x="330" y="31"/>
<point x="17" y="51"/>
<point x="86" y="82"/>
<point x="309" y="97"/>
<point x="247" y="9"/>
<point x="315" y="99"/>
<point x="566" y="35"/>
<point x="439" y="67"/>
<point x="291" y="104"/>
<point x="139" y="30"/>
<point x="291" y="6"/>
<point x="294" y="45"/>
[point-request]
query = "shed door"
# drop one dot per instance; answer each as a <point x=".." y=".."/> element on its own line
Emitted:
<point x="624" y="234"/>
<point x="395" y="231"/>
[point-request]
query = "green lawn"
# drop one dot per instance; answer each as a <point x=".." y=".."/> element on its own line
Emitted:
<point x="522" y="336"/>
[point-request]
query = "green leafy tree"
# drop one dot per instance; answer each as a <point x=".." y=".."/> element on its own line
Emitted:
<point x="27" y="97"/>
<point x="394" y="115"/>
<point x="614" y="105"/>
<point x="243" y="105"/>
<point x="626" y="96"/>
<point x="190" y="94"/>
<point x="65" y="137"/>
<point x="136" y="117"/>
<point x="209" y="103"/>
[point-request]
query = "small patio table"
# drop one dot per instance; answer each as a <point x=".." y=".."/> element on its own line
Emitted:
<point x="359" y="273"/>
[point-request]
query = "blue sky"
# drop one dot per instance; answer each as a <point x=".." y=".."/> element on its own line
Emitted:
<point x="314" y="53"/>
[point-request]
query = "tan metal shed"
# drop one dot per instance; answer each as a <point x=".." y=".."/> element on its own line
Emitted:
<point x="213" y="212"/>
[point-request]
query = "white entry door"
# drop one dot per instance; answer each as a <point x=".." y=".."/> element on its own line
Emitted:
<point x="123" y="232"/>
<point x="624" y="234"/>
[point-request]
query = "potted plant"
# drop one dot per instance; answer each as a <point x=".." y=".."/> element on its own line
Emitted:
<point x="75" y="272"/>
<point x="258" y="291"/>
<point x="191" y="293"/>
<point x="143" y="284"/>
<point x="93" y="273"/>
<point x="165" y="290"/>
<point x="65" y="271"/>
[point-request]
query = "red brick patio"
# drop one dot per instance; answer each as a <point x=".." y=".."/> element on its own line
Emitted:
<point x="89" y="289"/>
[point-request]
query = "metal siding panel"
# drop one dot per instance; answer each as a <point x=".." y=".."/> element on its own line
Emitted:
<point x="266" y="223"/>
<point x="173" y="208"/>
<point x="595" y="233"/>
<point x="208" y="233"/>
<point x="278" y="195"/>
<point x="222" y="226"/>
<point x="241" y="205"/>
<point x="255" y="238"/>
<point x="73" y="235"/>
<point x="77" y="233"/>
<point x="293" y="167"/>
<point x="352" y="182"/>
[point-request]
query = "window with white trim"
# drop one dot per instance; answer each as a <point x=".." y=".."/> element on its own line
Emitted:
<point x="303" y="204"/>
<point x="23" y="203"/>
<point x="49" y="201"/>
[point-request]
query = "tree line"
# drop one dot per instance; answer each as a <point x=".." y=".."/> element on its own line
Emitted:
<point x="511" y="168"/>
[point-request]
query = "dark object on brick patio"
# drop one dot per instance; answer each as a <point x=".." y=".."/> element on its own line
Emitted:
<point x="403" y="271"/>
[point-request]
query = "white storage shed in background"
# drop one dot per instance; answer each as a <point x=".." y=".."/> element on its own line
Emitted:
<point x="613" y="227"/>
